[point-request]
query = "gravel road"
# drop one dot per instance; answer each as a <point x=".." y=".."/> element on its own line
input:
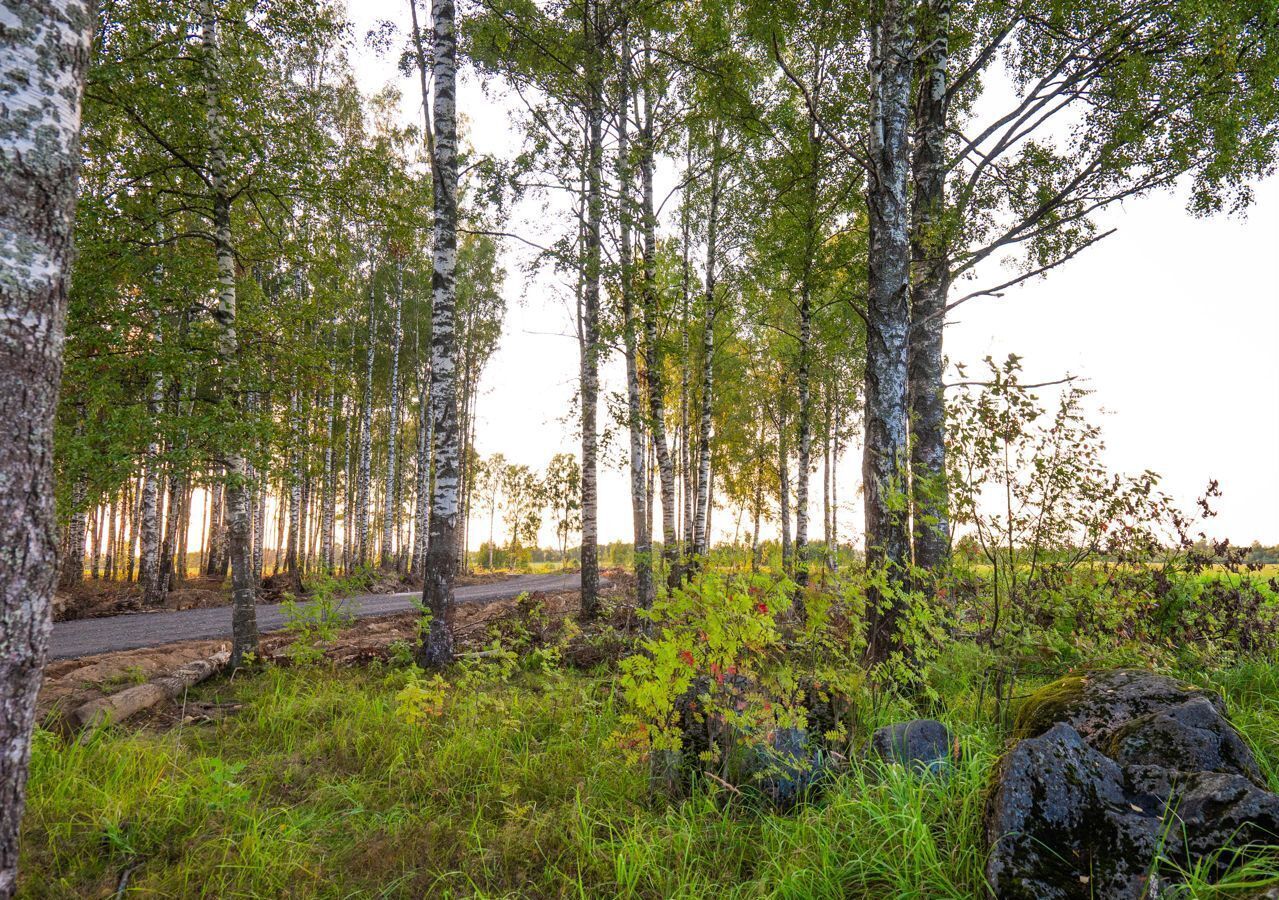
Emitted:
<point x="84" y="637"/>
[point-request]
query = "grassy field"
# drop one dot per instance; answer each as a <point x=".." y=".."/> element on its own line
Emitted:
<point x="314" y="785"/>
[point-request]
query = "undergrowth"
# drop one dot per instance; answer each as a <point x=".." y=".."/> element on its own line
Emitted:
<point x="323" y="785"/>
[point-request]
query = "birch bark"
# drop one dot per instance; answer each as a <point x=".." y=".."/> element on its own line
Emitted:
<point x="930" y="260"/>
<point x="886" y="452"/>
<point x="634" y="401"/>
<point x="244" y="628"/>
<point x="389" y="505"/>
<point x="590" y="313"/>
<point x="441" y="564"/>
<point x="362" y="487"/>
<point x="701" y="536"/>
<point x="652" y="353"/>
<point x="44" y="52"/>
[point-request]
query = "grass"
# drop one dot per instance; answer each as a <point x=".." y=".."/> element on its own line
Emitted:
<point x="317" y="787"/>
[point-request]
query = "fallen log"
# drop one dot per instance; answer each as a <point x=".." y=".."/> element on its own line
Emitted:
<point x="131" y="701"/>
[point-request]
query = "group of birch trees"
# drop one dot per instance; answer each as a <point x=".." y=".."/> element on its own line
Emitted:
<point x="768" y="210"/>
<point x="312" y="204"/>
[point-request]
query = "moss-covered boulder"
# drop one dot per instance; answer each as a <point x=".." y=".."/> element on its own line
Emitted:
<point x="1112" y="769"/>
<point x="1061" y="826"/>
<point x="1191" y="737"/>
<point x="1096" y="704"/>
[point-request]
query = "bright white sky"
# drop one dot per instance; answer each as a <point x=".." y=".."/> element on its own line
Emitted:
<point x="1173" y="320"/>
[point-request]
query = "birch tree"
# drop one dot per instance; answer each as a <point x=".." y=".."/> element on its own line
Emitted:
<point x="886" y="454"/>
<point x="436" y="647"/>
<point x="44" y="54"/>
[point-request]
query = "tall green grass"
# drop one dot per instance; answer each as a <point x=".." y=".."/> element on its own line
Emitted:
<point x="314" y="787"/>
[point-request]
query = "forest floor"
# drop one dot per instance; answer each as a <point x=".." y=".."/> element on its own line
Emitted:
<point x="310" y="781"/>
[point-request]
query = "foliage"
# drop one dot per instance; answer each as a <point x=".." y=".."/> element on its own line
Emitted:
<point x="538" y="801"/>
<point x="315" y="623"/>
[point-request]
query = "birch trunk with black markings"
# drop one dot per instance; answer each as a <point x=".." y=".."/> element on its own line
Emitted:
<point x="436" y="647"/>
<point x="387" y="556"/>
<point x="244" y="627"/>
<point x="44" y="53"/>
<point x="930" y="260"/>
<point x="885" y="463"/>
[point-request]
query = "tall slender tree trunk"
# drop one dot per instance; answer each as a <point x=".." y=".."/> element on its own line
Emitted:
<point x="930" y="260"/>
<point x="217" y="529"/>
<point x="701" y="528"/>
<point x="244" y="628"/>
<point x="441" y="564"/>
<point x="671" y="550"/>
<point x="886" y="454"/>
<point x="634" y="402"/>
<point x="131" y="540"/>
<point x="72" y="571"/>
<point x="44" y="52"/>
<point x="392" y="447"/>
<point x="258" y="488"/>
<point x="686" y="451"/>
<point x="95" y="542"/>
<point x="590" y="310"/>
<point x="173" y="513"/>
<point x="108" y="561"/>
<point x="295" y="484"/>
<point x="783" y="483"/>
<point x="757" y="502"/>
<point x="328" y="485"/>
<point x="149" y="570"/>
<point x="422" y="519"/>
<point x="363" y="487"/>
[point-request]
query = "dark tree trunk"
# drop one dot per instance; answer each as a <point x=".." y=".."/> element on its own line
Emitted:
<point x="885" y="462"/>
<point x="930" y="254"/>
<point x="44" y="52"/>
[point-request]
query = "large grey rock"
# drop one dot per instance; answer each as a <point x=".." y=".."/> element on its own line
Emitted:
<point x="1193" y="736"/>
<point x="785" y="768"/>
<point x="1097" y="704"/>
<point x="1134" y="764"/>
<point x="782" y="765"/>
<point x="1061" y="826"/>
<point x="925" y="745"/>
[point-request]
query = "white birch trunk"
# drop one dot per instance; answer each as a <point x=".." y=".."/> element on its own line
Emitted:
<point x="671" y="549"/>
<point x="436" y="648"/>
<point x="44" y="52"/>
<point x="701" y="529"/>
<point x="244" y="628"/>
<point x="362" y="487"/>
<point x="392" y="472"/>
<point x="630" y="335"/>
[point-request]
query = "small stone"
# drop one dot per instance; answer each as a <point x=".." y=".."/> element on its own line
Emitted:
<point x="925" y="745"/>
